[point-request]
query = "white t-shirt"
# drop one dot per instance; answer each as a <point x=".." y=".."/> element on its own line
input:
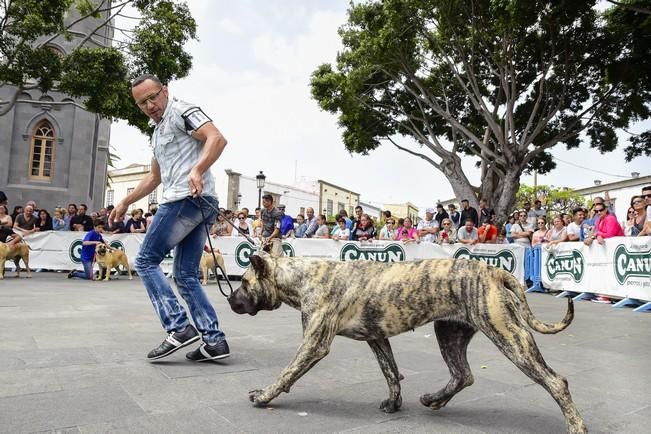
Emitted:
<point x="575" y="229"/>
<point x="648" y="213"/>
<point x="342" y="233"/>
<point x="517" y="227"/>
<point x="431" y="238"/>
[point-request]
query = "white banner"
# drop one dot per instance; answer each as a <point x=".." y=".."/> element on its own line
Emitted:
<point x="61" y="251"/>
<point x="509" y="257"/>
<point x="621" y="267"/>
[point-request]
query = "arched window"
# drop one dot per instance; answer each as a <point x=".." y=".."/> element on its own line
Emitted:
<point x="41" y="154"/>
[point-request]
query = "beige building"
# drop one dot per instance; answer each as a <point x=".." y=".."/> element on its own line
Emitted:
<point x="333" y="198"/>
<point x="123" y="181"/>
<point x="402" y="210"/>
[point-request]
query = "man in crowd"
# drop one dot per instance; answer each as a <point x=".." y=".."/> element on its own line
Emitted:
<point x="534" y="214"/>
<point x="286" y="223"/>
<point x="82" y="219"/>
<point x="428" y="227"/>
<point x="185" y="144"/>
<point x="271" y="226"/>
<point x="26" y="223"/>
<point x="575" y="229"/>
<point x="72" y="211"/>
<point x="468" y="234"/>
<point x="521" y="231"/>
<point x="357" y="221"/>
<point x="486" y="214"/>
<point x="469" y="212"/>
<point x="310" y="222"/>
<point x="487" y="233"/>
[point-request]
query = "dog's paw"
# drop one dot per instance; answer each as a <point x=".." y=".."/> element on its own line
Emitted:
<point x="259" y="397"/>
<point x="391" y="405"/>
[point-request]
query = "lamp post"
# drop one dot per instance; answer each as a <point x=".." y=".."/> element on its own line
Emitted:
<point x="259" y="179"/>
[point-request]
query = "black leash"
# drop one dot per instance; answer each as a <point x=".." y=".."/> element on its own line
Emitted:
<point x="217" y="266"/>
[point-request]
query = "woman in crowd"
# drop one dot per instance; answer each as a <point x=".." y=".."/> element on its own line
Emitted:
<point x="365" y="230"/>
<point x="606" y="226"/>
<point x="136" y="224"/>
<point x="636" y="221"/>
<point x="408" y="231"/>
<point x="242" y="225"/>
<point x="627" y="224"/>
<point x="341" y="232"/>
<point x="300" y="226"/>
<point x="58" y="224"/>
<point x="388" y="231"/>
<point x="5" y="218"/>
<point x="507" y="228"/>
<point x="539" y="236"/>
<point x="448" y="232"/>
<point x="18" y="210"/>
<point x="566" y="218"/>
<point x="322" y="231"/>
<point x="221" y="228"/>
<point x="44" y="221"/>
<point x="558" y="233"/>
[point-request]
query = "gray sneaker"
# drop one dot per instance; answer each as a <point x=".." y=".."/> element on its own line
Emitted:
<point x="205" y="352"/>
<point x="174" y="341"/>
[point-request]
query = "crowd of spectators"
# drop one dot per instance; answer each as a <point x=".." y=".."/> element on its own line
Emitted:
<point x="28" y="219"/>
<point x="528" y="227"/>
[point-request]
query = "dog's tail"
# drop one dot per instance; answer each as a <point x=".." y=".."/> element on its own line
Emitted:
<point x="511" y="283"/>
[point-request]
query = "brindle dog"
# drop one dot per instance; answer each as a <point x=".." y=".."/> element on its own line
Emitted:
<point x="372" y="301"/>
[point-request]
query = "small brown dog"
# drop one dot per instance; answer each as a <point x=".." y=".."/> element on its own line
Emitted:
<point x="108" y="259"/>
<point x="15" y="252"/>
<point x="208" y="263"/>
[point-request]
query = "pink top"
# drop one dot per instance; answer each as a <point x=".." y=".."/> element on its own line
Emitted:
<point x="411" y="234"/>
<point x="609" y="227"/>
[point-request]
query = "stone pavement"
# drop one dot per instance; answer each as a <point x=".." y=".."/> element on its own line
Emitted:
<point x="72" y="359"/>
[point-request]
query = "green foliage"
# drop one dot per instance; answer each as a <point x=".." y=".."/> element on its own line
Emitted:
<point x="100" y="76"/>
<point x="502" y="81"/>
<point x="555" y="200"/>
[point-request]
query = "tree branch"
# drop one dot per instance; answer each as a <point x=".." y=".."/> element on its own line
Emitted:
<point x="631" y="7"/>
<point x="10" y="104"/>
<point x="417" y="154"/>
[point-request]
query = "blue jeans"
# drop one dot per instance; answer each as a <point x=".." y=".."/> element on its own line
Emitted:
<point x="87" y="273"/>
<point x="179" y="225"/>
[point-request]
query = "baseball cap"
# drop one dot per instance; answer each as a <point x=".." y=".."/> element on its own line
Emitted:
<point x="281" y="206"/>
<point x="430" y="210"/>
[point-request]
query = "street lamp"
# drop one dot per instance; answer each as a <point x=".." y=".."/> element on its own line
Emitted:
<point x="259" y="179"/>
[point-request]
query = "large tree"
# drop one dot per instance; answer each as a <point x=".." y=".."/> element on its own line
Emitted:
<point x="500" y="80"/>
<point x="152" y="41"/>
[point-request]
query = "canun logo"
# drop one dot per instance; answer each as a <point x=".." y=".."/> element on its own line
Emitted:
<point x="74" y="251"/>
<point x="503" y="259"/>
<point x="569" y="263"/>
<point x="631" y="264"/>
<point x="244" y="250"/>
<point x="390" y="253"/>
<point x="115" y="244"/>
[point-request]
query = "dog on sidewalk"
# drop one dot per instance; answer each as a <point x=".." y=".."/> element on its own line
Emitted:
<point x="372" y="301"/>
<point x="14" y="252"/>
<point x="108" y="259"/>
<point x="208" y="263"/>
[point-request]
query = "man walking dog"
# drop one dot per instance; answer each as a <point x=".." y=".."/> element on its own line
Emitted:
<point x="185" y="144"/>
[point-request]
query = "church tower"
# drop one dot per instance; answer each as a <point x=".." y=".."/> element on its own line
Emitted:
<point x="54" y="151"/>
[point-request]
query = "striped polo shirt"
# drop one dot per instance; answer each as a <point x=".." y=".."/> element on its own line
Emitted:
<point x="177" y="152"/>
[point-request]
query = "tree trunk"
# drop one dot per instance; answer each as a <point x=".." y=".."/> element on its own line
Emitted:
<point x="461" y="187"/>
<point x="504" y="196"/>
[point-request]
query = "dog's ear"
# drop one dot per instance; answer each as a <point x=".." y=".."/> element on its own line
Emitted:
<point x="259" y="266"/>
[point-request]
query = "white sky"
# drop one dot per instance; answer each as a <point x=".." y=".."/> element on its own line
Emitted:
<point x="251" y="73"/>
